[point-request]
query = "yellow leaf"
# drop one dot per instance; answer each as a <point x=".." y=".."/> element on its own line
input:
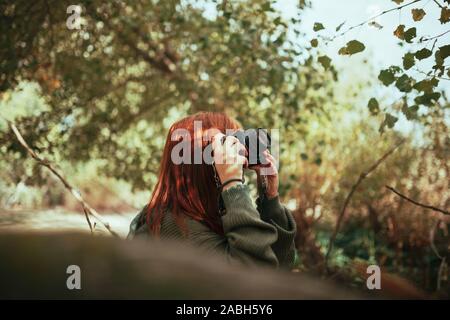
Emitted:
<point x="400" y="31"/>
<point x="445" y="15"/>
<point x="418" y="14"/>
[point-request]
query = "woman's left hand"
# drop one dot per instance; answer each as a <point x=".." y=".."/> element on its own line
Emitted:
<point x="268" y="171"/>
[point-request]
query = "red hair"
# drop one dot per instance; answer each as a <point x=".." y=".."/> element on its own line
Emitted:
<point x="188" y="189"/>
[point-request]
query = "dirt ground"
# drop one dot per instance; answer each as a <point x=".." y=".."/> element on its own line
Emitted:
<point x="59" y="219"/>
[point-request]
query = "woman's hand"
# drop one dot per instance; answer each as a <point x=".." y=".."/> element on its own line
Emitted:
<point x="229" y="158"/>
<point x="268" y="172"/>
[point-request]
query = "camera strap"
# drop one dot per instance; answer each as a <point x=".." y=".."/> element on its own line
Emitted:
<point x="221" y="205"/>
<point x="263" y="184"/>
<point x="216" y="176"/>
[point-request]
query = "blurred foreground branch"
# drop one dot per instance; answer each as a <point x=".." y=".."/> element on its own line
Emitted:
<point x="88" y="210"/>
<point x="418" y="203"/>
<point x="362" y="176"/>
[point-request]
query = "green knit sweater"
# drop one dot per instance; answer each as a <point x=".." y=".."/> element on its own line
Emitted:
<point x="261" y="235"/>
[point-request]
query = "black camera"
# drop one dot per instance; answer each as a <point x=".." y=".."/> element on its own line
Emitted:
<point x="256" y="141"/>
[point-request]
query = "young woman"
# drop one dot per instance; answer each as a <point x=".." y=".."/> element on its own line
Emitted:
<point x="185" y="202"/>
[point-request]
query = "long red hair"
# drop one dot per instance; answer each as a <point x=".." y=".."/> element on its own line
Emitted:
<point x="188" y="190"/>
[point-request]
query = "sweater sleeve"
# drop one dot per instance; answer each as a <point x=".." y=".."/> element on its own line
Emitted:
<point x="247" y="239"/>
<point x="273" y="212"/>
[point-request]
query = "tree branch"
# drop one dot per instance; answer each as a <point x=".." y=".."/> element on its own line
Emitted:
<point x="88" y="210"/>
<point x="435" y="37"/>
<point x="440" y="5"/>
<point x="418" y="203"/>
<point x="362" y="176"/>
<point x="372" y="18"/>
<point x="429" y="76"/>
<point x="436" y="252"/>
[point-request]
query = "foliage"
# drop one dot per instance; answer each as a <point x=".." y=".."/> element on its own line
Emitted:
<point x="114" y="86"/>
<point x="416" y="92"/>
<point x="379" y="227"/>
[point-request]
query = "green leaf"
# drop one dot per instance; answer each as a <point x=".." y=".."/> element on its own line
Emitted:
<point x="279" y="41"/>
<point x="438" y="59"/>
<point x="352" y="47"/>
<point x="410" y="34"/>
<point x="355" y="46"/>
<point x="318" y="160"/>
<point x="373" y="106"/>
<point x="388" y="76"/>
<point x="318" y="26"/>
<point x="418" y="14"/>
<point x="314" y="43"/>
<point x="428" y="99"/>
<point x="426" y="86"/>
<point x="404" y="83"/>
<point x="266" y="6"/>
<point x="410" y="112"/>
<point x="444" y="51"/>
<point x="408" y="61"/>
<point x="423" y="54"/>
<point x="439" y="56"/>
<point x="325" y="61"/>
<point x="389" y="121"/>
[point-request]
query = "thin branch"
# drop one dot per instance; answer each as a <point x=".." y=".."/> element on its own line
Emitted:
<point x="440" y="5"/>
<point x="88" y="210"/>
<point x="418" y="203"/>
<point x="432" y="237"/>
<point x="86" y="214"/>
<point x="436" y="252"/>
<point x="432" y="76"/>
<point x="362" y="176"/>
<point x="435" y="37"/>
<point x="372" y="18"/>
<point x="434" y="44"/>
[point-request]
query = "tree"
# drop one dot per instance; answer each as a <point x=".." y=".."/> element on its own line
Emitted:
<point x="111" y="83"/>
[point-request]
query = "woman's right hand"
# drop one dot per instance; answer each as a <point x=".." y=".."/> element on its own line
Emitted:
<point x="229" y="158"/>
